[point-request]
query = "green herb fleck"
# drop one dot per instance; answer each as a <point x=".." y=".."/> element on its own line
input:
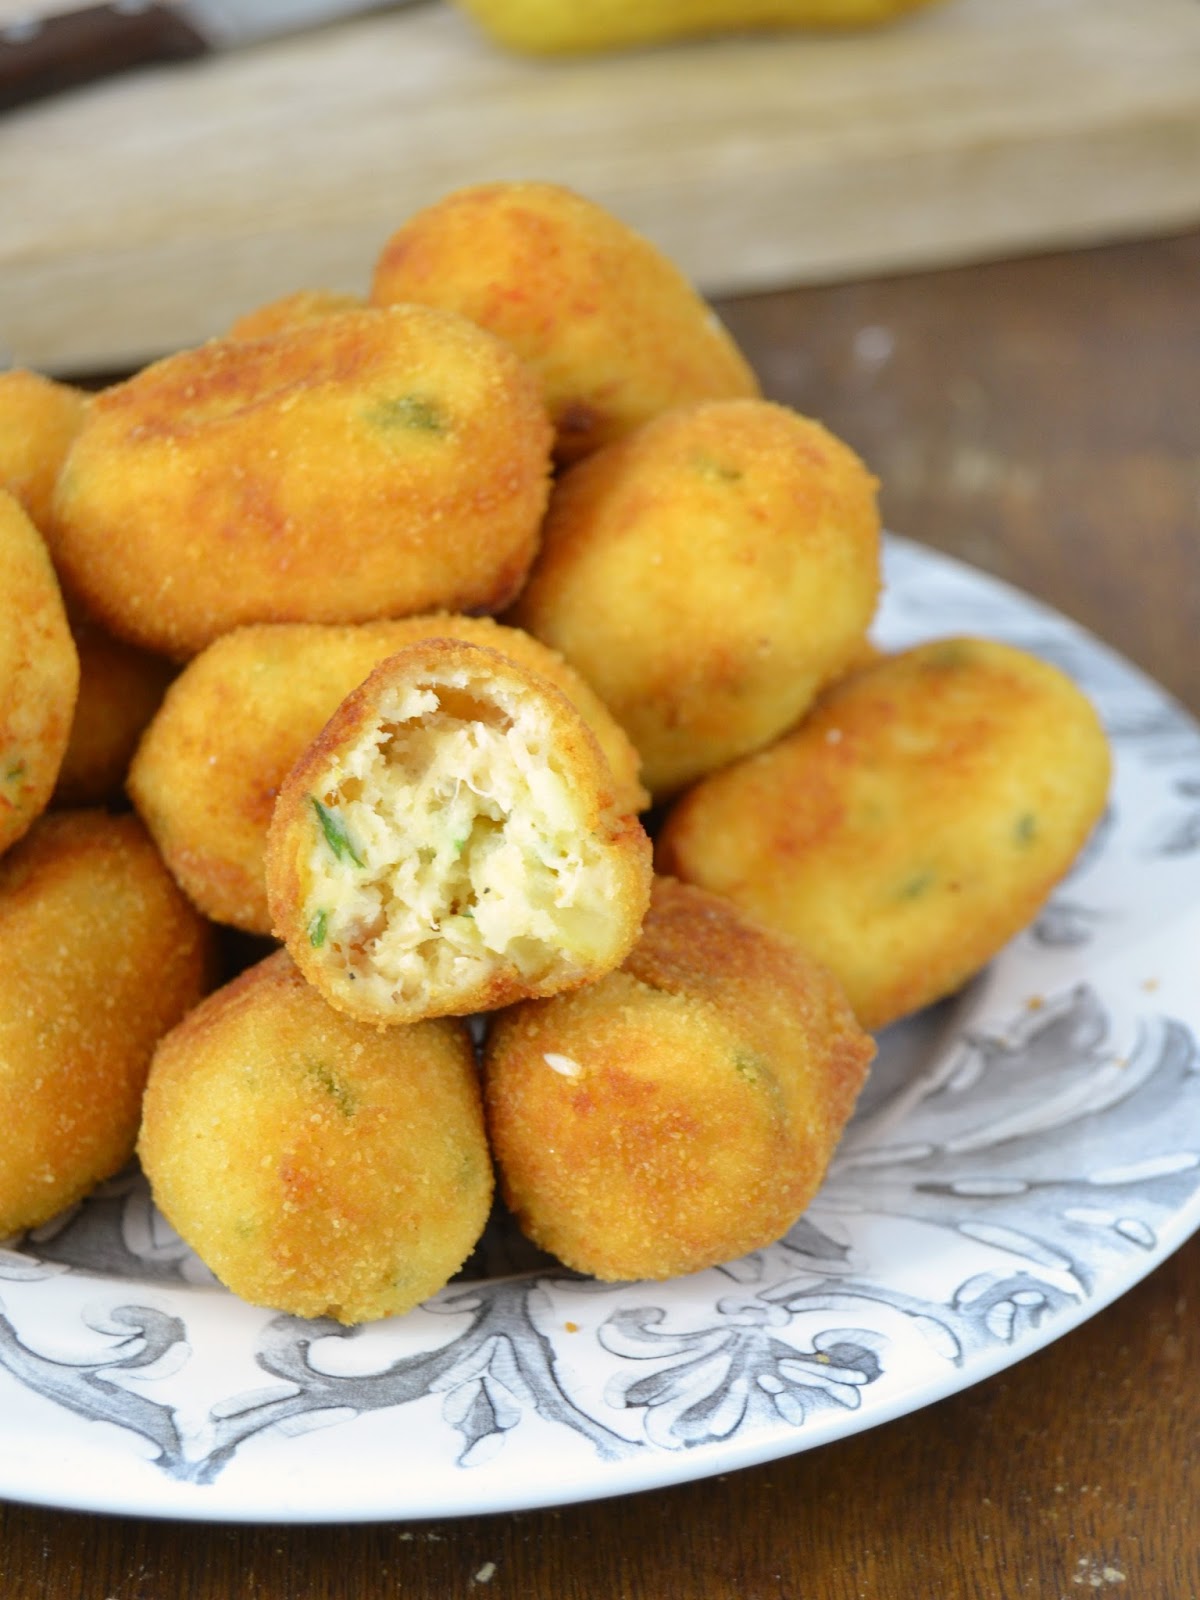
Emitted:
<point x="948" y="655"/>
<point x="335" y="833"/>
<point x="342" y="1097"/>
<point x="915" y="886"/>
<point x="460" y="844"/>
<point x="409" y="411"/>
<point x="317" y="928"/>
<point x="15" y="772"/>
<point x="1025" y="829"/>
<point x="746" y="1066"/>
<point x="710" y="467"/>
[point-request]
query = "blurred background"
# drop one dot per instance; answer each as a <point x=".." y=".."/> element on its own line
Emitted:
<point x="287" y="138"/>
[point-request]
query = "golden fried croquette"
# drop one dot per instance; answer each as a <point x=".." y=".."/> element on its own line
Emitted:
<point x="451" y="841"/>
<point x="707" y="576"/>
<point x="681" y="1111"/>
<point x="120" y="689"/>
<point x="317" y="1165"/>
<point x="209" y="768"/>
<point x="306" y="305"/>
<point x="38" y="420"/>
<point x="613" y="329"/>
<point x="364" y="464"/>
<point x="39" y="674"/>
<point x="208" y="771"/>
<point x="100" y="954"/>
<point x="914" y="822"/>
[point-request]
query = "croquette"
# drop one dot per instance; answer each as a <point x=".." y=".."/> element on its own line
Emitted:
<point x="120" y="689"/>
<point x="363" y="464"/>
<point x="708" y="575"/>
<point x="683" y="1110"/>
<point x="100" y="954"/>
<point x="316" y="1165"/>
<point x="451" y="841"/>
<point x="613" y="329"/>
<point x="210" y="766"/>
<point x="39" y="674"/>
<point x="305" y="305"/>
<point x="912" y="824"/>
<point x="39" y="418"/>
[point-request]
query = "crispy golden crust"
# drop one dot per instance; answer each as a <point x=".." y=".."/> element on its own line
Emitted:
<point x="683" y="1110"/>
<point x="613" y="329"/>
<point x="306" y="305"/>
<point x="99" y="955"/>
<point x="210" y="766"/>
<point x="451" y="841"/>
<point x="316" y="1165"/>
<point x="38" y="420"/>
<point x="120" y="689"/>
<point x="364" y="464"/>
<point x="39" y="674"/>
<point x="707" y="576"/>
<point x="914" y="822"/>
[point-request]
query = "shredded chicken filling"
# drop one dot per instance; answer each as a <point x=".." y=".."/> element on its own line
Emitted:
<point x="463" y="847"/>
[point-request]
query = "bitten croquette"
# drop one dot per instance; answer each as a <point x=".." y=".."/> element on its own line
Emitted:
<point x="452" y="841"/>
<point x="209" y="768"/>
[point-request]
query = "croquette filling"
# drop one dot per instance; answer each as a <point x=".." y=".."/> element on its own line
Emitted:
<point x="448" y="841"/>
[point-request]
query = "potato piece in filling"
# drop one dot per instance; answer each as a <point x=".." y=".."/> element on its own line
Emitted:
<point x="451" y="842"/>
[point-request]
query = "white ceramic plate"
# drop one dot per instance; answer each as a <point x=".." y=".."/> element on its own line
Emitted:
<point x="1022" y="1155"/>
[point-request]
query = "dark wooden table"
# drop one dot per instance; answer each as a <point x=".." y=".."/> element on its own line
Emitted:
<point x="1041" y="419"/>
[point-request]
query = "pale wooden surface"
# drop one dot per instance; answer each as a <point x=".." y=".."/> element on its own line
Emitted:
<point x="145" y="213"/>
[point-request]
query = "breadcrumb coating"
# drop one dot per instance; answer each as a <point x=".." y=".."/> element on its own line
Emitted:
<point x="914" y="823"/>
<point x="683" y="1110"/>
<point x="708" y="575"/>
<point x="362" y="464"/>
<point x="317" y="1165"/>
<point x="100" y="954"/>
<point x="39" y="674"/>
<point x="614" y="331"/>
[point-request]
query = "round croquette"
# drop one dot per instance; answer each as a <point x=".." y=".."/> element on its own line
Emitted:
<point x="915" y="821"/>
<point x="120" y="689"/>
<point x="39" y="674"/>
<point x="316" y="1165"/>
<point x="39" y="418"/>
<point x="100" y="954"/>
<point x="683" y="1110"/>
<point x="707" y="576"/>
<point x="613" y="329"/>
<point x="363" y="464"/>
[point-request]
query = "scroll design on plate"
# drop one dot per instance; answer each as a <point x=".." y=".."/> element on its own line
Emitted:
<point x="143" y="1336"/>
<point x="708" y="1383"/>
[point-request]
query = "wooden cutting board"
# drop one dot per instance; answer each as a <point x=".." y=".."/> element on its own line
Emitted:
<point x="145" y="213"/>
